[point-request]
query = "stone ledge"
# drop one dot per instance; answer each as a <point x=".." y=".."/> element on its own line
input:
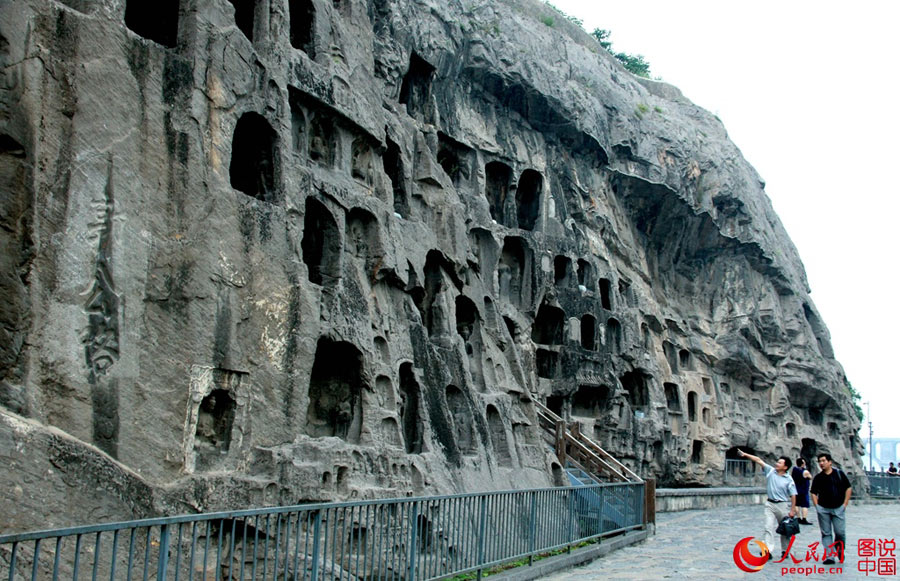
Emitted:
<point x="676" y="499"/>
<point x="573" y="559"/>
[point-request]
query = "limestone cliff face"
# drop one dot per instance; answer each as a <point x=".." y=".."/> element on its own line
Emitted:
<point x="275" y="251"/>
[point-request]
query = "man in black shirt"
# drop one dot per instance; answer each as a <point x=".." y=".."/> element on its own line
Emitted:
<point x="830" y="493"/>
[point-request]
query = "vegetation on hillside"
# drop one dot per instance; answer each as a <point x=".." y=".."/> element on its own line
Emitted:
<point x="633" y="63"/>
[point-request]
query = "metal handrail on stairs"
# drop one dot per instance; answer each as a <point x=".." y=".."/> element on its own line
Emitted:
<point x="571" y="443"/>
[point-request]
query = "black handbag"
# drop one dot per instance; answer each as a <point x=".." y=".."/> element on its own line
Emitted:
<point x="789" y="526"/>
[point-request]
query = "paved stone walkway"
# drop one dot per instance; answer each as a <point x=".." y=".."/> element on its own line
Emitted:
<point x="699" y="544"/>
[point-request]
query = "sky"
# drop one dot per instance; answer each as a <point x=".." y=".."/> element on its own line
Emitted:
<point x="809" y="93"/>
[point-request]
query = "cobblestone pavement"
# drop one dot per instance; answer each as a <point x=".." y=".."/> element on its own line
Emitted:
<point x="699" y="544"/>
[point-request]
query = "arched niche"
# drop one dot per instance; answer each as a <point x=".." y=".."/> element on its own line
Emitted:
<point x="253" y="168"/>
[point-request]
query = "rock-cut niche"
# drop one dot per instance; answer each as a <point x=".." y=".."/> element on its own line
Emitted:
<point x="303" y="20"/>
<point x="155" y="20"/>
<point x="245" y="16"/>
<point x="335" y="391"/>
<point x="415" y="91"/>
<point x="497" y="176"/>
<point x="321" y="244"/>
<point x="410" y="412"/>
<point x="528" y="199"/>
<point x="253" y="168"/>
<point x="215" y="419"/>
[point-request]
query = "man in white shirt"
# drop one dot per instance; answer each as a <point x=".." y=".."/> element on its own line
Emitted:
<point x="782" y="497"/>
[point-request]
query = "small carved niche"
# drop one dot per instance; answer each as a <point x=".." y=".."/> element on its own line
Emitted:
<point x="547" y="363"/>
<point x="528" y="199"/>
<point x="549" y="325"/>
<point x="499" y="438"/>
<point x="584" y="272"/>
<point x="561" y="267"/>
<point x="362" y="235"/>
<point x="614" y="335"/>
<point x="455" y="159"/>
<point x="415" y="91"/>
<point x="588" y="332"/>
<point x="512" y="271"/>
<point x="636" y="384"/>
<point x="321" y="244"/>
<point x="253" y="168"/>
<point x="362" y="166"/>
<point x="673" y="397"/>
<point x="697" y="452"/>
<point x="392" y="159"/>
<point x="322" y="139"/>
<point x="410" y="413"/>
<point x="605" y="287"/>
<point x="156" y="20"/>
<point x="335" y="391"/>
<point x="692" y="406"/>
<point x="498" y="177"/>
<point x="245" y="16"/>
<point x="303" y="24"/>
<point x="216" y="419"/>
<point x="461" y="414"/>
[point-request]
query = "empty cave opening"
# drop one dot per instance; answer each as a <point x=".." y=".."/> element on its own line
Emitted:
<point x="636" y="384"/>
<point x="245" y="16"/>
<point x="303" y="20"/>
<point x="528" y="199"/>
<point x="335" y="391"/>
<point x="156" y="21"/>
<point x="548" y="325"/>
<point x="392" y="160"/>
<point x="673" y="397"/>
<point x="588" y="332"/>
<point x="590" y="401"/>
<point x="253" y="168"/>
<point x="415" y="90"/>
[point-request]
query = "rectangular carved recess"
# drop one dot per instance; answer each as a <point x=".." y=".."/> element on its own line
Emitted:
<point x="217" y="419"/>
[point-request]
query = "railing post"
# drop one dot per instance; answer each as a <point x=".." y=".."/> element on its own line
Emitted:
<point x="163" y="561"/>
<point x="317" y="526"/>
<point x="561" y="441"/>
<point x="649" y="501"/>
<point x="413" y="534"/>
<point x="533" y="527"/>
<point x="481" y="533"/>
<point x="571" y="536"/>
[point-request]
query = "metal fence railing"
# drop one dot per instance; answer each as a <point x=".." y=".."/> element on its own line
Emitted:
<point x="408" y="539"/>
<point x="882" y="484"/>
<point x="739" y="470"/>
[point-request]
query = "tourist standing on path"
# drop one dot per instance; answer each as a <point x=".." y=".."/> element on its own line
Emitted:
<point x="831" y="494"/>
<point x="781" y="491"/>
<point x="802" y="478"/>
<point x="892" y="470"/>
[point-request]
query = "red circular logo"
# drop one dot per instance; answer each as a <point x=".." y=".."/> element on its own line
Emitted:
<point x="747" y="561"/>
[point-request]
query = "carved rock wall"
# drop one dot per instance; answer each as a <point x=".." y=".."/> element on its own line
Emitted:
<point x="290" y="250"/>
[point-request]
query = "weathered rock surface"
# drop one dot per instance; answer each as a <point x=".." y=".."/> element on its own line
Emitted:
<point x="272" y="251"/>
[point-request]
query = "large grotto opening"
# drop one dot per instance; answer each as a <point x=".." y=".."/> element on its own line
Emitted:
<point x="548" y="325"/>
<point x="245" y="16"/>
<point x="590" y="401"/>
<point x="415" y="91"/>
<point x="605" y="288"/>
<point x="410" y="413"/>
<point x="636" y="384"/>
<point x="498" y="177"/>
<point x="156" y="21"/>
<point x="335" y="391"/>
<point x="215" y="419"/>
<point x="321" y="244"/>
<point x="303" y="20"/>
<point x="528" y="199"/>
<point x="253" y="157"/>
